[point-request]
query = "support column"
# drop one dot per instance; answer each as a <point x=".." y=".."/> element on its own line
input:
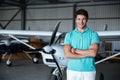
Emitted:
<point x="74" y="10"/>
<point x="23" y="15"/>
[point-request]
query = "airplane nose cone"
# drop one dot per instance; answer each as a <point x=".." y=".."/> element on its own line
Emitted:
<point x="47" y="49"/>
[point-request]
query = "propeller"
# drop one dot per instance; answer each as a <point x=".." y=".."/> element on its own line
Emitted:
<point x="54" y="34"/>
<point x="48" y="49"/>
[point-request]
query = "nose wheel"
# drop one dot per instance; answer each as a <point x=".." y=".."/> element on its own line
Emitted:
<point x="53" y="77"/>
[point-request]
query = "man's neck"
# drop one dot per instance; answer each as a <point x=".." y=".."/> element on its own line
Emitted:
<point x="81" y="29"/>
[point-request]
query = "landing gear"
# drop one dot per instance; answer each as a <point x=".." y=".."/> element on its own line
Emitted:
<point x="8" y="63"/>
<point x="56" y="75"/>
<point x="100" y="76"/>
<point x="35" y="60"/>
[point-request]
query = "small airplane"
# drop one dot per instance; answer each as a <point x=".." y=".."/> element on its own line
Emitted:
<point x="53" y="53"/>
<point x="11" y="41"/>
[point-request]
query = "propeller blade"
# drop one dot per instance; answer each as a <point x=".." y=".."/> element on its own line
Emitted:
<point x="54" y="34"/>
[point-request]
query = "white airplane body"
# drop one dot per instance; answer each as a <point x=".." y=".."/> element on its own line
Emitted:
<point x="53" y="54"/>
<point x="59" y="55"/>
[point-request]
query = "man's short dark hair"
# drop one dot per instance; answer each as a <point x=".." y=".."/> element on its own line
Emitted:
<point x="81" y="12"/>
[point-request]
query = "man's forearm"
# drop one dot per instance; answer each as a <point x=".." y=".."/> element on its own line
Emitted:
<point x="69" y="53"/>
<point x="91" y="52"/>
<point x="86" y="53"/>
<point x="73" y="55"/>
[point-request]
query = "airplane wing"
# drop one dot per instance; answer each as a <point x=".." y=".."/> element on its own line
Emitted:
<point x="104" y="35"/>
<point x="109" y="35"/>
<point x="27" y="33"/>
<point x="13" y="34"/>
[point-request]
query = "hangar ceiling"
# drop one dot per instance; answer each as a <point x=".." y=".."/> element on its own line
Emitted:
<point x="43" y="2"/>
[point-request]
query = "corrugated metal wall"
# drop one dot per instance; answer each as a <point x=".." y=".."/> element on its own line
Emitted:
<point x="103" y="13"/>
<point x="44" y="17"/>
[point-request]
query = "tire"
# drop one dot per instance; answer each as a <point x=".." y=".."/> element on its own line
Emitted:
<point x="100" y="76"/>
<point x="54" y="77"/>
<point x="35" y="60"/>
<point x="9" y="63"/>
<point x="0" y="57"/>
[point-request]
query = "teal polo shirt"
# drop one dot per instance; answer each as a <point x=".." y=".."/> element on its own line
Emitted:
<point x="81" y="41"/>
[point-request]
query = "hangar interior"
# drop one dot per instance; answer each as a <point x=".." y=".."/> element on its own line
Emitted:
<point x="42" y="15"/>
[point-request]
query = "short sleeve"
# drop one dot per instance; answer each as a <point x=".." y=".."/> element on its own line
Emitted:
<point x="95" y="38"/>
<point x="67" y="39"/>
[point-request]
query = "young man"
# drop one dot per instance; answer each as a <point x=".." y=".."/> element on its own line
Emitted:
<point x="80" y="47"/>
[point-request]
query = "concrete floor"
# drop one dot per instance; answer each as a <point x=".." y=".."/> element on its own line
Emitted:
<point x="27" y="70"/>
